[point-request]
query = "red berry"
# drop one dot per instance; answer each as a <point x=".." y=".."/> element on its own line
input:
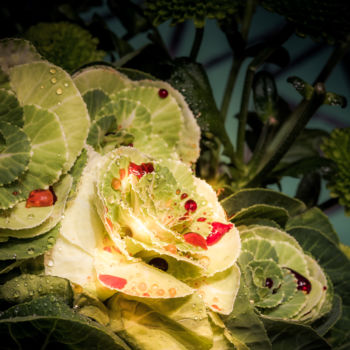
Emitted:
<point x="191" y="205"/>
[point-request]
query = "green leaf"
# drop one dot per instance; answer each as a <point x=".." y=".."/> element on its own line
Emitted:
<point x="261" y="211"/>
<point x="15" y="154"/>
<point x="52" y="89"/>
<point x="191" y="80"/>
<point x="44" y="218"/>
<point x="290" y="336"/>
<point x="27" y="287"/>
<point x="10" y="110"/>
<point x="169" y="324"/>
<point x="245" y="325"/>
<point x="248" y="197"/>
<point x="47" y="322"/>
<point x="314" y="218"/>
<point x="28" y="248"/>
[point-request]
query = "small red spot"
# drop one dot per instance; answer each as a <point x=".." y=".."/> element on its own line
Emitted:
<point x="108" y="249"/>
<point x="113" y="281"/>
<point x="40" y="198"/>
<point x="217" y="232"/>
<point x="191" y="205"/>
<point x="184" y="195"/>
<point x="195" y="239"/>
<point x="269" y="282"/>
<point x="324" y="288"/>
<point x="146" y="295"/>
<point x="163" y="93"/>
<point x="110" y="224"/>
<point x="15" y="193"/>
<point x="201" y="219"/>
<point x="140" y="170"/>
<point x="131" y="145"/>
<point x="215" y="307"/>
<point x="121" y="174"/>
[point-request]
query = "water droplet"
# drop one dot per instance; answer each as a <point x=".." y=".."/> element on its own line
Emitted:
<point x="50" y="263"/>
<point x="66" y="85"/>
<point x="31" y="293"/>
<point x="52" y="70"/>
<point x="59" y="91"/>
<point x="42" y="86"/>
<point x="53" y="80"/>
<point x="30" y="251"/>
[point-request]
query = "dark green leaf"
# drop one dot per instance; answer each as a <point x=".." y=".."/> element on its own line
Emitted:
<point x="314" y="218"/>
<point x="244" y="323"/>
<point x="291" y="336"/>
<point x="248" y="197"/>
<point x="25" y="287"/>
<point x="48" y="323"/>
<point x="334" y="99"/>
<point x="261" y="211"/>
<point x="309" y="189"/>
<point x="265" y="95"/>
<point x="323" y="325"/>
<point x="28" y="248"/>
<point x="76" y="172"/>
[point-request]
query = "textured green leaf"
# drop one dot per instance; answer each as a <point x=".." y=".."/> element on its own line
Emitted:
<point x="314" y="218"/>
<point x="27" y="287"/>
<point x="28" y="248"/>
<point x="51" y="88"/>
<point x="248" y="197"/>
<point x="261" y="211"/>
<point x="10" y="110"/>
<point x="48" y="323"/>
<point x="14" y="52"/>
<point x="48" y="158"/>
<point x="44" y="217"/>
<point x="291" y="336"/>
<point x="14" y="155"/>
<point x="245" y="325"/>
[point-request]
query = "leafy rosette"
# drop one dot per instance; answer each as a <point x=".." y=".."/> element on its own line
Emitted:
<point x="43" y="127"/>
<point x="164" y="234"/>
<point x="283" y="281"/>
<point x="150" y="115"/>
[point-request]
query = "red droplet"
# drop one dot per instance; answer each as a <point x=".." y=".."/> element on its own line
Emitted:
<point x="121" y="174"/>
<point x="140" y="170"/>
<point x="324" y="288"/>
<point x="302" y="283"/>
<point x="191" y="205"/>
<point x="195" y="239"/>
<point x="108" y="249"/>
<point x="113" y="281"/>
<point x="40" y="198"/>
<point x="184" y="195"/>
<point x="163" y="93"/>
<point x="269" y="282"/>
<point x="15" y="193"/>
<point x="214" y="306"/>
<point x="217" y="232"/>
<point x="110" y="224"/>
<point x="201" y="219"/>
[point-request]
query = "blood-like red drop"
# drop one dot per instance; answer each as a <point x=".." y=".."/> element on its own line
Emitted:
<point x="113" y="281"/>
<point x="140" y="170"/>
<point x="191" y="205"/>
<point x="40" y="198"/>
<point x="269" y="282"/>
<point x="163" y="93"/>
<point x="195" y="239"/>
<point x="217" y="232"/>
<point x="302" y="282"/>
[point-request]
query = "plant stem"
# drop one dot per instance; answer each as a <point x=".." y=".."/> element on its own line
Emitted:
<point x="328" y="204"/>
<point x="236" y="65"/>
<point x="197" y="43"/>
<point x="237" y="59"/>
<point x="259" y="60"/>
<point x="288" y="133"/>
<point x="333" y="60"/>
